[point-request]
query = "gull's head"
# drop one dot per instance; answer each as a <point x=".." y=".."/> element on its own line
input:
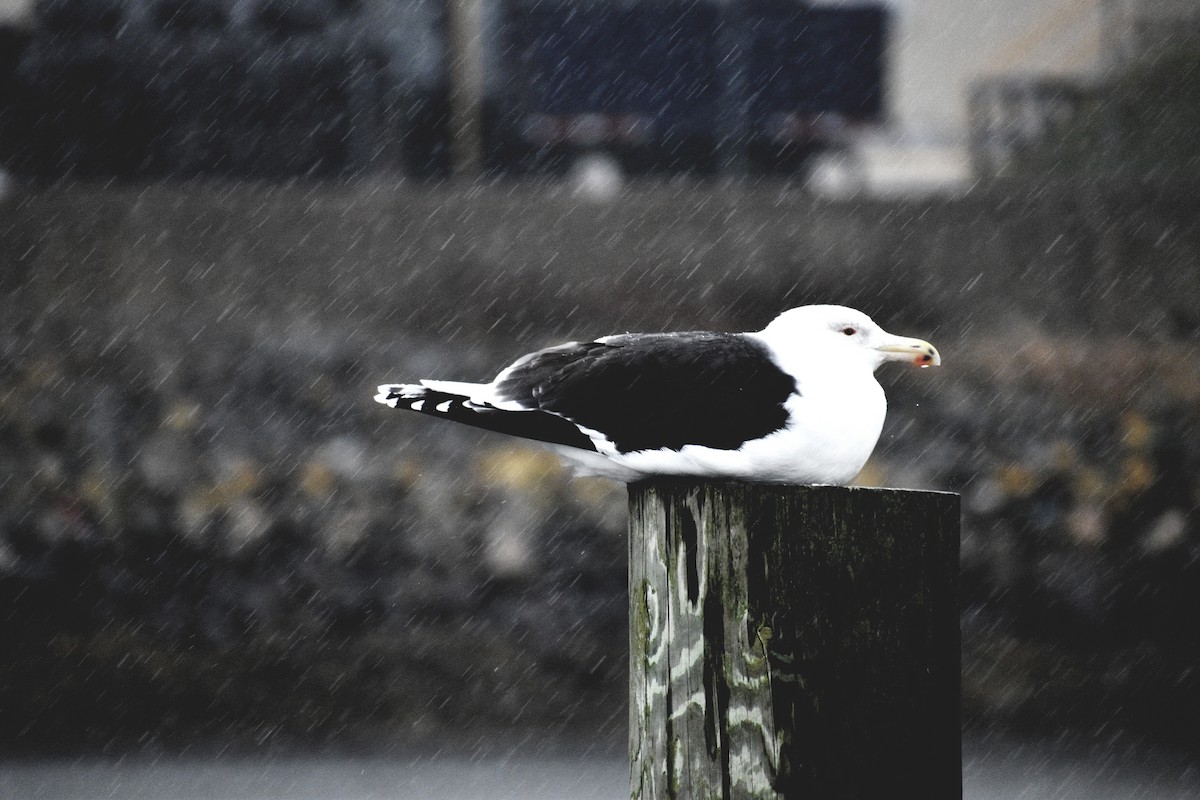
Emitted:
<point x="844" y="334"/>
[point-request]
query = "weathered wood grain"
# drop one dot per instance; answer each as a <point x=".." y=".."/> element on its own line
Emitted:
<point x="793" y="642"/>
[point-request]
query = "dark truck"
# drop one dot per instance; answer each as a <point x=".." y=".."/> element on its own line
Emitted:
<point x="756" y="85"/>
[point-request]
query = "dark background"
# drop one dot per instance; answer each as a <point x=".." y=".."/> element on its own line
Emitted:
<point x="220" y="231"/>
<point x="212" y="537"/>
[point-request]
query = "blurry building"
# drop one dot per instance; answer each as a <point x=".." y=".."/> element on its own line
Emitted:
<point x="1010" y="113"/>
<point x="335" y="88"/>
<point x="1028" y="97"/>
<point x="131" y="88"/>
<point x="1133" y="28"/>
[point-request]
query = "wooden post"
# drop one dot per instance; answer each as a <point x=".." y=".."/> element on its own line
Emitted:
<point x="793" y="642"/>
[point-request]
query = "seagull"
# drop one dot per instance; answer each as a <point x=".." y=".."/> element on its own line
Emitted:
<point x="796" y="402"/>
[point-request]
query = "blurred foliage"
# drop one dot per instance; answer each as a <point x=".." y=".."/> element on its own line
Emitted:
<point x="1142" y="124"/>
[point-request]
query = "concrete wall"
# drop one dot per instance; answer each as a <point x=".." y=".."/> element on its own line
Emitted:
<point x="522" y="265"/>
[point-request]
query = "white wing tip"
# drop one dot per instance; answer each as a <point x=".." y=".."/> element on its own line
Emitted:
<point x="392" y="394"/>
<point x="414" y="395"/>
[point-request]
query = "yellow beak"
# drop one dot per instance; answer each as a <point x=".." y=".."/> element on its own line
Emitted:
<point x="918" y="351"/>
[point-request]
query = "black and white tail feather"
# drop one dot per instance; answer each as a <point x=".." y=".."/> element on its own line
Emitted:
<point x="476" y="404"/>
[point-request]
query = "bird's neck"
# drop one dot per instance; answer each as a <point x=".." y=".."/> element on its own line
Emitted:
<point x="825" y="368"/>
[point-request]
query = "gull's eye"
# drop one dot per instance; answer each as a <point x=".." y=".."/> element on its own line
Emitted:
<point x="849" y="331"/>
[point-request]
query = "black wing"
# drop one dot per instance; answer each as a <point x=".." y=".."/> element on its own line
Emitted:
<point x="649" y="391"/>
<point x="540" y="425"/>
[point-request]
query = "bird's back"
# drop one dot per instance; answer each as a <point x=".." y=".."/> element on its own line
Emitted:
<point x="652" y="391"/>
